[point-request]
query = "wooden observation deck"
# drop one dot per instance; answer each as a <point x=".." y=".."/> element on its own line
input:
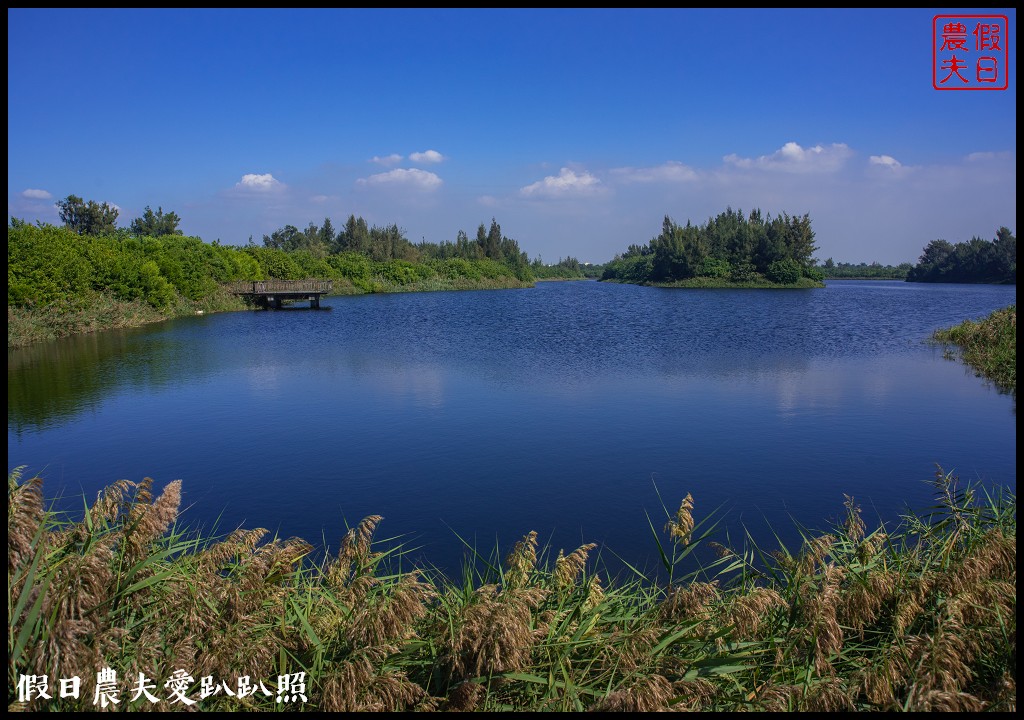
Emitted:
<point x="272" y="293"/>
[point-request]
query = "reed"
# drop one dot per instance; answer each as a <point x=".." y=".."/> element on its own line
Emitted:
<point x="988" y="345"/>
<point x="918" y="617"/>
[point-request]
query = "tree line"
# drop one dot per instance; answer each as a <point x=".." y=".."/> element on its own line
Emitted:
<point x="565" y="268"/>
<point x="93" y="218"/>
<point x="379" y="243"/>
<point x="973" y="261"/>
<point x="731" y="247"/>
<point x="389" y="242"/>
<point x="152" y="263"/>
<point x="864" y="271"/>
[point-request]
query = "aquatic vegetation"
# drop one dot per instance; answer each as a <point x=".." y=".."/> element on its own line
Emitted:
<point x="988" y="345"/>
<point x="916" y="617"/>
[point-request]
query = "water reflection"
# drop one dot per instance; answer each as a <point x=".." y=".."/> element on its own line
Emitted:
<point x="484" y="415"/>
<point x="50" y="383"/>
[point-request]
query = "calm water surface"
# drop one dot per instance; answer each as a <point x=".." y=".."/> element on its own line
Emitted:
<point x="567" y="409"/>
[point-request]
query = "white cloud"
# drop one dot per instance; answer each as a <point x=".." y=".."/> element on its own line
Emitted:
<point x="319" y="198"/>
<point x="387" y="160"/>
<point x="408" y="177"/>
<point x="487" y="200"/>
<point x="260" y="183"/>
<point x="885" y="160"/>
<point x="36" y="194"/>
<point x="791" y="157"/>
<point x="428" y="156"/>
<point x="566" y="183"/>
<point x="988" y="156"/>
<point x="671" y="171"/>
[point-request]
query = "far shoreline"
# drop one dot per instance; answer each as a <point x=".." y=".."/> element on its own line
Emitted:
<point x="706" y="283"/>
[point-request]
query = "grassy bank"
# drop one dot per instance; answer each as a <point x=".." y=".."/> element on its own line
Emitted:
<point x="988" y="345"/>
<point x="28" y="325"/>
<point x="438" y="283"/>
<point x="916" y="617"/>
<point x="60" y="283"/>
<point x="101" y="311"/>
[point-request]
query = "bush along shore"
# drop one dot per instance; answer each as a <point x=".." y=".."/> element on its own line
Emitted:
<point x="988" y="345"/>
<point x="123" y="610"/>
<point x="61" y="283"/>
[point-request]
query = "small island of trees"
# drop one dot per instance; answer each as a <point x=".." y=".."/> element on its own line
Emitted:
<point x="730" y="250"/>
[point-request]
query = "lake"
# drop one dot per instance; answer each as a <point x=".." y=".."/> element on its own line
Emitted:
<point x="575" y="409"/>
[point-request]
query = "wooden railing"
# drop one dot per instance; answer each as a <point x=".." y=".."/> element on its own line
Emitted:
<point x="260" y="287"/>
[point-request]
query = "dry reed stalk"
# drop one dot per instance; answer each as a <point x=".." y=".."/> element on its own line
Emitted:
<point x="883" y="676"/>
<point x="693" y="695"/>
<point x="522" y="561"/>
<point x="629" y="648"/>
<point x="646" y="694"/>
<point x="862" y="603"/>
<point x="820" y="615"/>
<point x="392" y="617"/>
<point x="828" y="695"/>
<point x="750" y="612"/>
<point x="854" y="525"/>
<point x="464" y="697"/>
<point x="25" y="518"/>
<point x="695" y="601"/>
<point x="922" y="700"/>
<point x="681" y="527"/>
<point x="568" y="568"/>
<point x="356" y="685"/>
<point x="496" y="632"/>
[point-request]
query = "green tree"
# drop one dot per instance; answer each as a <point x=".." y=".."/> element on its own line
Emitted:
<point x="466" y="249"/>
<point x="771" y="243"/>
<point x="355" y="237"/>
<point x="327" y="233"/>
<point x="974" y="261"/>
<point x="799" y="239"/>
<point x="155" y="224"/>
<point x="286" y="238"/>
<point x="481" y="239"/>
<point x="492" y="243"/>
<point x="311" y="240"/>
<point x="390" y="243"/>
<point x="87" y="218"/>
<point x="678" y="251"/>
<point x="1005" y="252"/>
<point x="930" y="264"/>
<point x="784" y="272"/>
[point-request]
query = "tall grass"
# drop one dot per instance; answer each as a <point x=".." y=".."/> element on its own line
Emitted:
<point x="102" y="311"/>
<point x="916" y="617"/>
<point x="988" y="345"/>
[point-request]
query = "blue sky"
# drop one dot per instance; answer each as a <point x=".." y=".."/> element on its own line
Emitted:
<point x="578" y="130"/>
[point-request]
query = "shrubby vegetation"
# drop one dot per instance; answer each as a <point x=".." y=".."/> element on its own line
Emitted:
<point x="918" y="617"/>
<point x="383" y="244"/>
<point x="975" y="261"/>
<point x="565" y="269"/>
<point x="989" y="346"/>
<point x="48" y="264"/>
<point x="568" y="268"/>
<point x="89" y="275"/>
<point x="729" y="250"/>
